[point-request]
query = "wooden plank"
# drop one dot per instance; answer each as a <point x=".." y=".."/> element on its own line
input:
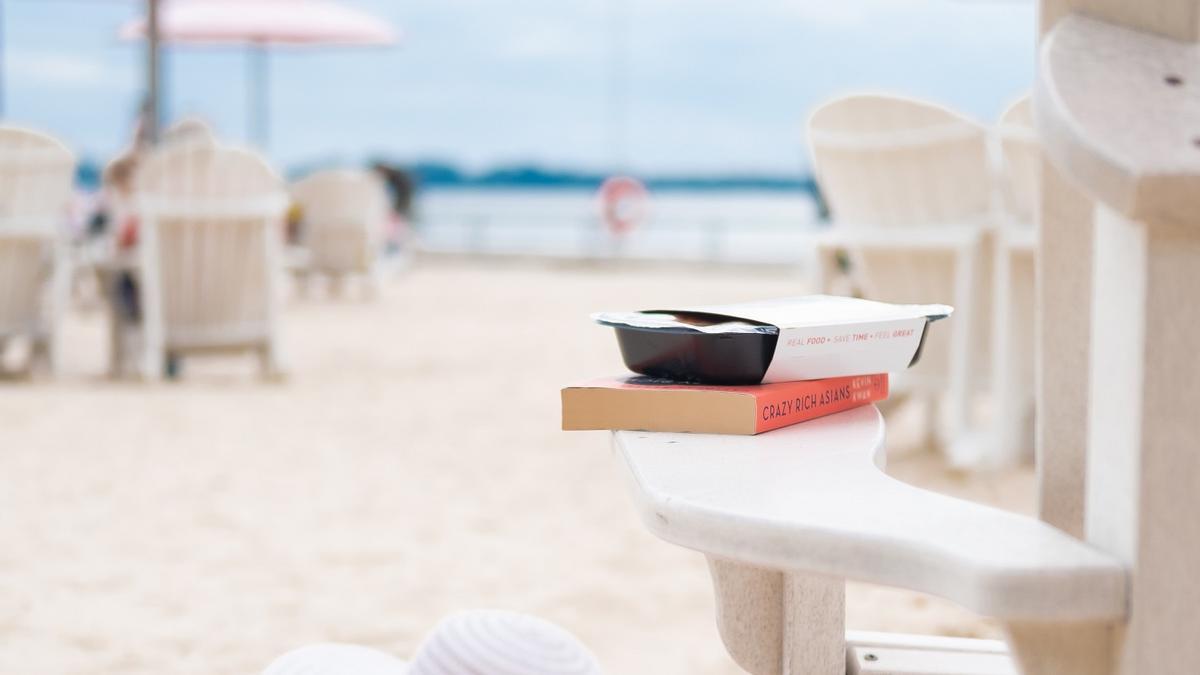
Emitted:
<point x="900" y="654"/>
<point x="1063" y="333"/>
<point x="889" y="661"/>
<point x="1063" y="300"/>
<point x="866" y="638"/>
<point x="1145" y="468"/>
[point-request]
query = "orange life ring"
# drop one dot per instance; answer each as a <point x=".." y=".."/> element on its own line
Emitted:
<point x="624" y="202"/>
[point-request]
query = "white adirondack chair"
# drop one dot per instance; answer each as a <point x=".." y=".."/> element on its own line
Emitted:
<point x="36" y="177"/>
<point x="209" y="253"/>
<point x="1105" y="581"/>
<point x="910" y="190"/>
<point x="189" y="130"/>
<point x="344" y="215"/>
<point x="1008" y="439"/>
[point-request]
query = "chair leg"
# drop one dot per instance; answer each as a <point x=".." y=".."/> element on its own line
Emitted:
<point x="5" y="372"/>
<point x="117" y="347"/>
<point x="153" y="362"/>
<point x="956" y="403"/>
<point x="270" y="362"/>
<point x="776" y="623"/>
<point x="303" y="281"/>
<point x="1063" y="649"/>
<point x="41" y="355"/>
<point x="933" y="422"/>
<point x="154" y="359"/>
<point x="371" y="284"/>
<point x="60" y="300"/>
<point x="172" y="366"/>
<point x="54" y="354"/>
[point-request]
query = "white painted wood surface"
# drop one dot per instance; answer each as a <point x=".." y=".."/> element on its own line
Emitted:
<point x="1117" y="110"/>
<point x="1062" y="335"/>
<point x="778" y="623"/>
<point x="1114" y="119"/>
<point x="209" y="253"/>
<point x="869" y="653"/>
<point x="867" y="638"/>
<point x="812" y="498"/>
<point x="1008" y="437"/>
<point x="914" y="168"/>
<point x="36" y="176"/>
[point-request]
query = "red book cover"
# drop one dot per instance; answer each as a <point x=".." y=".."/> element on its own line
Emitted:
<point x="645" y="404"/>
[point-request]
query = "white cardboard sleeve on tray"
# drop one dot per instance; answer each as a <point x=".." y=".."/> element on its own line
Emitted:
<point x="829" y="336"/>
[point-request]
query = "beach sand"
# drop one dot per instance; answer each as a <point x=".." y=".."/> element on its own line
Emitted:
<point x="410" y="466"/>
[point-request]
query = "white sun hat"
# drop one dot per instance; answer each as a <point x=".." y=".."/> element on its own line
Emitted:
<point x="477" y="642"/>
<point x="336" y="659"/>
<point x="491" y="642"/>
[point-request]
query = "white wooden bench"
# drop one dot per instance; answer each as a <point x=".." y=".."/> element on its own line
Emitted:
<point x="1105" y="581"/>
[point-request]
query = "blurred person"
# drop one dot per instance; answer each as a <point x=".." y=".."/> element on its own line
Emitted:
<point x="122" y="225"/>
<point x="401" y="190"/>
<point x="117" y="219"/>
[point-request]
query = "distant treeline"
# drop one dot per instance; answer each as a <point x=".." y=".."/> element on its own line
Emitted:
<point x="446" y="175"/>
<point x="438" y="175"/>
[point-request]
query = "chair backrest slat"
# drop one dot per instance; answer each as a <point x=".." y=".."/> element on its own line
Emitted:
<point x="883" y="160"/>
<point x="1020" y="162"/>
<point x="36" y="178"/>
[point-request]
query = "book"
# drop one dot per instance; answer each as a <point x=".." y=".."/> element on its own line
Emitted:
<point x="647" y="404"/>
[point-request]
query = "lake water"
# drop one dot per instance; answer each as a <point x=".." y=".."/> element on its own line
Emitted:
<point x="722" y="226"/>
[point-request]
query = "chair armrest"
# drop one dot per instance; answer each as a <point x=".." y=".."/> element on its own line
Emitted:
<point x="940" y="237"/>
<point x="1131" y="147"/>
<point x="1018" y="237"/>
<point x="812" y="498"/>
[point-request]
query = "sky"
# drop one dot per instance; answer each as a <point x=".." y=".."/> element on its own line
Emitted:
<point x="709" y="86"/>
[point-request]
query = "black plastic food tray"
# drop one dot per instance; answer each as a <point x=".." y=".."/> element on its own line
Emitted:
<point x="692" y="356"/>
<point x="686" y="355"/>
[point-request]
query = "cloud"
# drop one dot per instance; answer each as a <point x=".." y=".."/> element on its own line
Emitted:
<point x="64" y="70"/>
<point x="542" y="40"/>
<point x="813" y="14"/>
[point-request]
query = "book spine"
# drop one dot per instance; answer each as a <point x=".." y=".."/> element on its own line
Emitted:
<point x="824" y="397"/>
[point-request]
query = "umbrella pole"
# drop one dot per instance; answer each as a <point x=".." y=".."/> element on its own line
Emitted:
<point x="2" y="80"/>
<point x="258" y="97"/>
<point x="152" y="72"/>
